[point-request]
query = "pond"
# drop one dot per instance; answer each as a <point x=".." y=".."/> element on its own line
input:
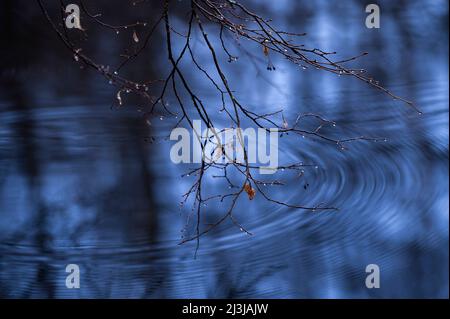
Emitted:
<point x="80" y="183"/>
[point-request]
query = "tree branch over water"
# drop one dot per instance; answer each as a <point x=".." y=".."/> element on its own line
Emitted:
<point x="217" y="24"/>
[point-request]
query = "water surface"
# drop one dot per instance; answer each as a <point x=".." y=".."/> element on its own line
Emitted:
<point x="80" y="183"/>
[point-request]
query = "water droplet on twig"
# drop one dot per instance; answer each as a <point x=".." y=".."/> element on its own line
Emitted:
<point x="135" y="37"/>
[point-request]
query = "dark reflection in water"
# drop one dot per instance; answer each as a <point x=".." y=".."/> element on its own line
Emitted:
<point x="80" y="184"/>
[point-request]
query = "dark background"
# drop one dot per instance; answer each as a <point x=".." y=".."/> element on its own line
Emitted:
<point x="79" y="182"/>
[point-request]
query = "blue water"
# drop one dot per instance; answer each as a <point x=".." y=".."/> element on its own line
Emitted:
<point x="81" y="184"/>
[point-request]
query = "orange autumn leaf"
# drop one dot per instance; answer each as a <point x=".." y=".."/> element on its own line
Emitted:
<point x="250" y="191"/>
<point x="265" y="50"/>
